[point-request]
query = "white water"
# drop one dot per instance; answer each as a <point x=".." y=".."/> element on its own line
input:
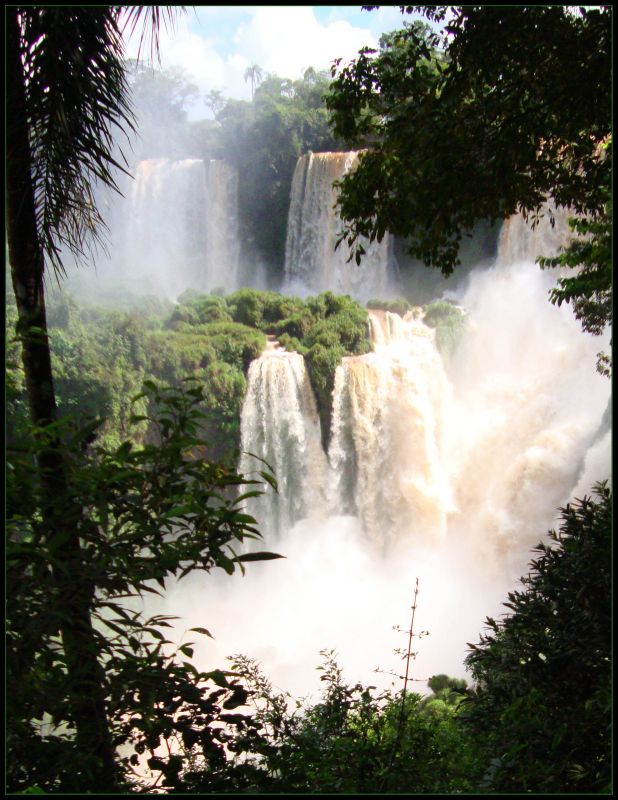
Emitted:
<point x="175" y="228"/>
<point x="446" y="472"/>
<point x="280" y="424"/>
<point x="386" y="454"/>
<point x="222" y="267"/>
<point x="312" y="264"/>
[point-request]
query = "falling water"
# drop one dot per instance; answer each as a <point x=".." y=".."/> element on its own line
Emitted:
<point x="386" y="454"/>
<point x="520" y="242"/>
<point x="174" y="228"/>
<point x="164" y="230"/>
<point x="446" y="471"/>
<point x="312" y="264"/>
<point x="280" y="424"/>
<point x="222" y="234"/>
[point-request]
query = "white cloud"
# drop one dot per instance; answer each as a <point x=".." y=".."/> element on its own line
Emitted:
<point x="285" y="40"/>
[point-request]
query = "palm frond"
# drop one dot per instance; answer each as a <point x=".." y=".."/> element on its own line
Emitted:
<point x="76" y="100"/>
<point x="133" y="15"/>
<point x="77" y="107"/>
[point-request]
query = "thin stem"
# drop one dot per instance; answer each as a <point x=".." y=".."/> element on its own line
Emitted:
<point x="403" y="694"/>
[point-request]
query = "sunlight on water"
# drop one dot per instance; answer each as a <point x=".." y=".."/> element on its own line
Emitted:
<point x="446" y="471"/>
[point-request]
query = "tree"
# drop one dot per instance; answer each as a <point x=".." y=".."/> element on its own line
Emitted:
<point x="159" y="99"/>
<point x="215" y="101"/>
<point x="67" y="92"/>
<point x="142" y="515"/>
<point x="353" y="740"/>
<point x="254" y="74"/>
<point x="513" y="110"/>
<point x="65" y="88"/>
<point x="541" y="711"/>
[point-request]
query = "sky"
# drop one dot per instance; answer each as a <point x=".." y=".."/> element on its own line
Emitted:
<point x="216" y="44"/>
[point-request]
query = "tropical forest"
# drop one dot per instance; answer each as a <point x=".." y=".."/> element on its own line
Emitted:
<point x="308" y="400"/>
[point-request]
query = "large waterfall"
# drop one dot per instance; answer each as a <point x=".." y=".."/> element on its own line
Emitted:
<point x="449" y="470"/>
<point x="386" y="454"/>
<point x="222" y="257"/>
<point x="175" y="228"/>
<point x="312" y="264"/>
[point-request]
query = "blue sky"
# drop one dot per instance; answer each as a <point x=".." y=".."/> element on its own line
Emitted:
<point x="215" y="44"/>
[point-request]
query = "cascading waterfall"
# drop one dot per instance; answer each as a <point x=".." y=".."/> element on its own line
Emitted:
<point x="519" y="241"/>
<point x="280" y="424"/>
<point x="175" y="228"/>
<point x="311" y="262"/>
<point x="165" y="233"/>
<point x="222" y="234"/>
<point x="388" y="424"/>
<point x="446" y="470"/>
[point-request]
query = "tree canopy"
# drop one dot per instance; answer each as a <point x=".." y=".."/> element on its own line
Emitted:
<point x="513" y="109"/>
<point x="542" y="707"/>
<point x="510" y="108"/>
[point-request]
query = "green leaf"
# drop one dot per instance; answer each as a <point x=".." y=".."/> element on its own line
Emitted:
<point x="263" y="556"/>
<point x="226" y="563"/>
<point x="217" y="676"/>
<point x="270" y="480"/>
<point x="202" y="630"/>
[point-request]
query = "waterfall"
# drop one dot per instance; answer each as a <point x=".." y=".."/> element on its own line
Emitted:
<point x="445" y="470"/>
<point x="311" y="262"/>
<point x="222" y="232"/>
<point x="164" y="233"/>
<point x="280" y="424"/>
<point x="176" y="228"/>
<point x="519" y="241"/>
<point x="386" y="454"/>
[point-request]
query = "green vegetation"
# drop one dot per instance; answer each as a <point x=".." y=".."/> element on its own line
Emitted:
<point x="354" y="740"/>
<point x="541" y="712"/>
<point x="143" y="515"/>
<point x="399" y="306"/>
<point x="101" y="357"/>
<point x="449" y="322"/>
<point x="590" y="289"/>
<point x="67" y="91"/>
<point x="324" y="329"/>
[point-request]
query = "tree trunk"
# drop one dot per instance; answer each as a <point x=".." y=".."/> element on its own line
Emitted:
<point x="75" y="590"/>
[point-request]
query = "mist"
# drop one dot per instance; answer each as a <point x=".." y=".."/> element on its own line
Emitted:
<point x="518" y="431"/>
<point x="511" y="422"/>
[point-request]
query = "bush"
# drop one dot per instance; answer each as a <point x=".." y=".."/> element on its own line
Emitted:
<point x="234" y="343"/>
<point x="449" y="322"/>
<point x="399" y="306"/>
<point x="542" y="710"/>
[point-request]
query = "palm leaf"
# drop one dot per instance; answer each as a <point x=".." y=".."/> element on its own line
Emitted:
<point x="77" y="107"/>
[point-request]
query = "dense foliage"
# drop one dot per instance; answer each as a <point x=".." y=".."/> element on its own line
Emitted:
<point x="510" y="108"/>
<point x="514" y="110"/>
<point x="354" y="740"/>
<point x="101" y="357"/>
<point x="542" y="708"/>
<point x="143" y="515"/>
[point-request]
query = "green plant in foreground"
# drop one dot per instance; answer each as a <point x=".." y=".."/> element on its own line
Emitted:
<point x="143" y="516"/>
<point x="541" y="712"/>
